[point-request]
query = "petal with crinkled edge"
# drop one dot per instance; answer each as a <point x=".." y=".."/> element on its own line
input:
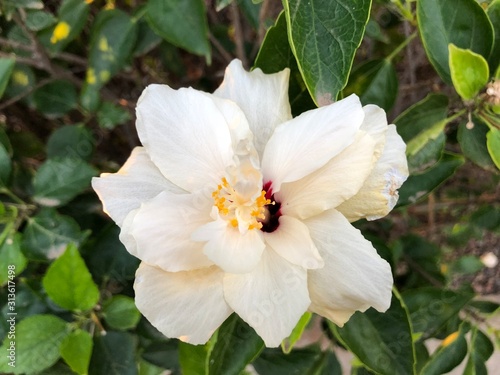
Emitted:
<point x="187" y="134"/>
<point x="307" y="142"/>
<point x="271" y="298"/>
<point x="137" y="181"/>
<point x="187" y="305"/>
<point x="379" y="194"/>
<point x="354" y="278"/>
<point x="162" y="229"/>
<point x="262" y="97"/>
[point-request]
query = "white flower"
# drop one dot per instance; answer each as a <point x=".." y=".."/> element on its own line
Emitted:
<point x="232" y="205"/>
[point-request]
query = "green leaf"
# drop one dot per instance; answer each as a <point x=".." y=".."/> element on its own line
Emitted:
<point x="461" y="22"/>
<point x="37" y="342"/>
<point x="480" y="350"/>
<point x="114" y="354"/>
<point x="381" y="341"/>
<point x="12" y="259"/>
<point x="68" y="282"/>
<point x="493" y="12"/>
<point x="110" y="115"/>
<point x="275" y="55"/>
<point x="493" y="144"/>
<point x="449" y="355"/>
<point x="56" y="98"/>
<point x="6" y="68"/>
<point x="58" y="181"/>
<point x="375" y="82"/>
<point x="37" y="20"/>
<point x="288" y="343"/>
<point x="195" y="359"/>
<point x="47" y="235"/>
<point x="71" y="141"/>
<point x="22" y="80"/>
<point x="469" y="71"/>
<point x="472" y="140"/>
<point x="112" y="41"/>
<point x="298" y="362"/>
<point x="190" y="34"/>
<point x="76" y="350"/>
<point x="431" y="308"/>
<point x="147" y="39"/>
<point x="467" y="264"/>
<point x="5" y="166"/>
<point x="324" y="37"/>
<point x="485" y="307"/>
<point x="163" y="354"/>
<point x="120" y="313"/>
<point x="487" y="217"/>
<point x="237" y="345"/>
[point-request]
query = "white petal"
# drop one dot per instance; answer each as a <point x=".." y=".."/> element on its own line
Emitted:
<point x="262" y="97"/>
<point x="340" y="179"/>
<point x="229" y="249"/>
<point x="126" y="237"/>
<point x="271" y="298"/>
<point x="379" y="194"/>
<point x="186" y="305"/>
<point x="186" y="134"/>
<point x="354" y="278"/>
<point x="292" y="241"/>
<point x="137" y="181"/>
<point x="162" y="229"/>
<point x="307" y="142"/>
<point x="375" y="124"/>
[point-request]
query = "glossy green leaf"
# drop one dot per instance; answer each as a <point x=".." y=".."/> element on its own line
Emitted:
<point x="237" y="345"/>
<point x="114" y="354"/>
<point x="381" y="341"/>
<point x="298" y="362"/>
<point x="190" y="34"/>
<point x="431" y="308"/>
<point x="57" y="181"/>
<point x="288" y="343"/>
<point x="5" y="166"/>
<point x="448" y="356"/>
<point x="472" y="140"/>
<point x="480" y="350"/>
<point x="37" y="20"/>
<point x="461" y="22"/>
<point x="109" y="115"/>
<point x="327" y="365"/>
<point x="112" y="40"/>
<point x="419" y="185"/>
<point x="68" y="282"/>
<point x="493" y="12"/>
<point x="147" y="39"/>
<point x="71" y="141"/>
<point x="12" y="259"/>
<point x="469" y="71"/>
<point x="56" y="98"/>
<point x="6" y="68"/>
<point x="37" y="342"/>
<point x="76" y="350"/>
<point x="493" y="144"/>
<point x="375" y="82"/>
<point x="22" y="80"/>
<point x="163" y="354"/>
<point x="195" y="359"/>
<point x="275" y="55"/>
<point x="121" y="313"/>
<point x="324" y="37"/>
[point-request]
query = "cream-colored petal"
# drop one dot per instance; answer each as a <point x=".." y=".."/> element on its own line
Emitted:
<point x="354" y="277"/>
<point x="186" y="305"/>
<point x="229" y="249"/>
<point x="162" y="229"/>
<point x="262" y="97"/>
<point x="187" y="134"/>
<point x="307" y="142"/>
<point x="340" y="179"/>
<point x="379" y="194"/>
<point x="137" y="181"/>
<point x="126" y="237"/>
<point x="271" y="298"/>
<point x="291" y="240"/>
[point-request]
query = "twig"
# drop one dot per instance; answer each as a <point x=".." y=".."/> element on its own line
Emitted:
<point x="14" y="44"/>
<point x="219" y="47"/>
<point x="238" y="34"/>
<point x="18" y="97"/>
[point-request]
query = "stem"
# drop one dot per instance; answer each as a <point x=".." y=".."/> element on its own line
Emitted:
<point x="401" y="46"/>
<point x="12" y="196"/>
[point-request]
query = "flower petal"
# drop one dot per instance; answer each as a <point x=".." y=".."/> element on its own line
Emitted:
<point x="186" y="305"/>
<point x="186" y="134"/>
<point x="137" y="181"/>
<point x="379" y="194"/>
<point x="271" y="298"/>
<point x="126" y="237"/>
<point x="229" y="249"/>
<point x="307" y="142"/>
<point x="162" y="229"/>
<point x="354" y="278"/>
<point x="262" y="97"/>
<point x="292" y="241"/>
<point x="340" y="179"/>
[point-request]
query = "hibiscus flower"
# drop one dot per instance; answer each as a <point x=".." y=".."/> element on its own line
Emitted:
<point x="232" y="205"/>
